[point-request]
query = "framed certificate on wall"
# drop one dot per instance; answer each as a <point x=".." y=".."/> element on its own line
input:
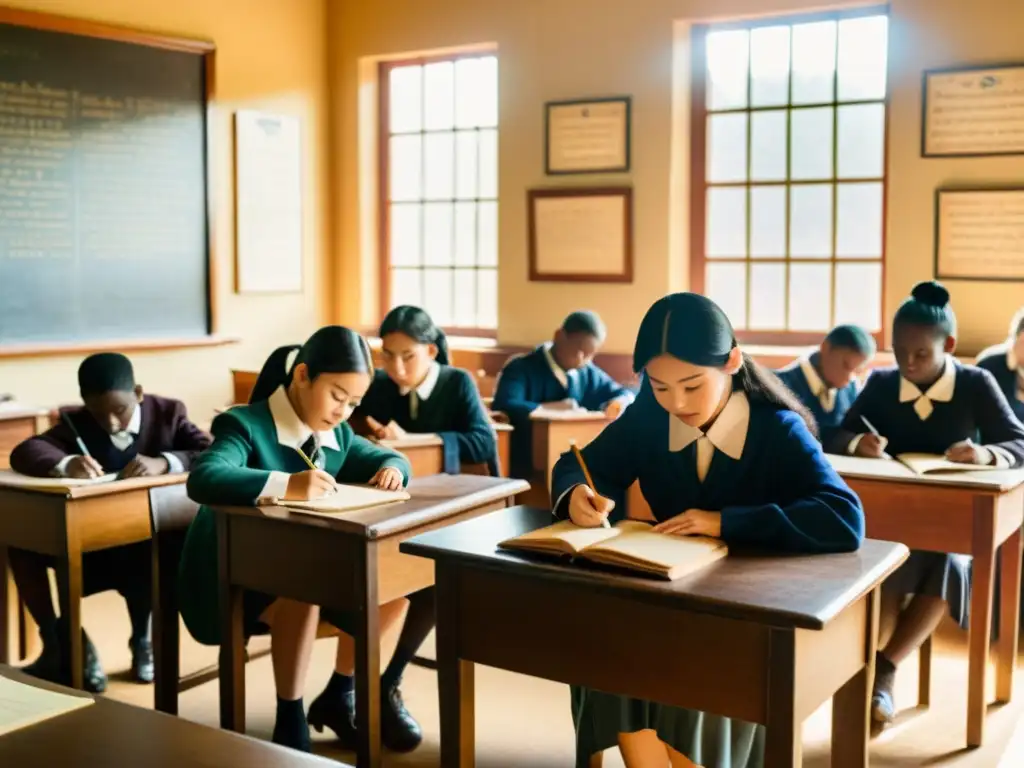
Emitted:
<point x="589" y="136"/>
<point x="973" y="111"/>
<point x="979" y="234"/>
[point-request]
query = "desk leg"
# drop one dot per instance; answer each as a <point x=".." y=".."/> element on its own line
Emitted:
<point x="232" y="644"/>
<point x="851" y="705"/>
<point x="8" y="603"/>
<point x="980" y="631"/>
<point x="165" y="627"/>
<point x="783" y="747"/>
<point x="1009" y="616"/>
<point x="454" y="677"/>
<point x="368" y="748"/>
<point x="69" y="595"/>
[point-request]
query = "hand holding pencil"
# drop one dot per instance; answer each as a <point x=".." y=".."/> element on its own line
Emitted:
<point x="587" y="508"/>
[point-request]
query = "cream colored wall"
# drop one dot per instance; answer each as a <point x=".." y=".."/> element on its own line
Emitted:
<point x="271" y="55"/>
<point x="551" y="49"/>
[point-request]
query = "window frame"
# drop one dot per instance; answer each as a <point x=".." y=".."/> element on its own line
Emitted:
<point x="384" y="183"/>
<point x="699" y="185"/>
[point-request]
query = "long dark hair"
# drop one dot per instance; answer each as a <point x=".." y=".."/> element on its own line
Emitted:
<point x="418" y="326"/>
<point x="693" y="328"/>
<point x="332" y="349"/>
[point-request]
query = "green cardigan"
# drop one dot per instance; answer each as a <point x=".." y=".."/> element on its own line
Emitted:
<point x="233" y="472"/>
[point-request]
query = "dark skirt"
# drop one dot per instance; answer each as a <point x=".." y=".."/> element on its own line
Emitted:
<point x="708" y="740"/>
<point x="937" y="574"/>
<point x="255" y="603"/>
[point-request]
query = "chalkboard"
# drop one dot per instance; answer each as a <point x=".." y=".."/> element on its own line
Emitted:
<point x="103" y="192"/>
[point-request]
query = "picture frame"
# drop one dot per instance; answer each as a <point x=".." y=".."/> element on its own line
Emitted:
<point x="587" y="136"/>
<point x="979" y="234"/>
<point x="973" y="111"/>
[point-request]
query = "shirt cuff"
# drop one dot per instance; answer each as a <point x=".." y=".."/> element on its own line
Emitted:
<point x="852" y="447"/>
<point x="1003" y="458"/>
<point x="276" y="487"/>
<point x="558" y="504"/>
<point x="61" y="470"/>
<point x="174" y="465"/>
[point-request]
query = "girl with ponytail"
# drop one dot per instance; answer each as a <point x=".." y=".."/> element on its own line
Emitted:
<point x="297" y="412"/>
<point x="720" y="448"/>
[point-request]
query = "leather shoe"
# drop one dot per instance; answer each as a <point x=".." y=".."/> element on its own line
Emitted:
<point x="142" y="660"/>
<point x="50" y="665"/>
<point x="94" y="679"/>
<point x="399" y="731"/>
<point x="337" y="713"/>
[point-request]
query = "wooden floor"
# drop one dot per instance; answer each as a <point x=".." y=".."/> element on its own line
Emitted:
<point x="525" y="722"/>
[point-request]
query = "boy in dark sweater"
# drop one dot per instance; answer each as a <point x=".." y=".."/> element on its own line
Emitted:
<point x="124" y="433"/>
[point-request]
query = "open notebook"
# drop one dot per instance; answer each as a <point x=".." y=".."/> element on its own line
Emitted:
<point x="928" y="463"/>
<point x="17" y="480"/>
<point x="23" y="705"/>
<point x="630" y="544"/>
<point x="348" y="499"/>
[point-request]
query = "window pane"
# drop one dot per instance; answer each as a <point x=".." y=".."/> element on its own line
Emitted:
<point x="727" y="287"/>
<point x="406" y="234"/>
<point x="859" y="295"/>
<point x="437" y="234"/>
<point x="466" y="165"/>
<point x="814" y="62"/>
<point x="811" y="143"/>
<point x="406" y="168"/>
<point x="861" y="150"/>
<point x="406" y="287"/>
<point x="768" y="296"/>
<point x="767" y="221"/>
<point x="489" y="164"/>
<point x="769" y="66"/>
<point x="465" y="298"/>
<point x="439" y="166"/>
<point x="439" y="95"/>
<point x="437" y="291"/>
<point x="487" y="298"/>
<point x="725" y="230"/>
<point x="465" y="233"/>
<point x="859" y="220"/>
<point x="476" y="92"/>
<point x="405" y="99"/>
<point x="862" y="57"/>
<point x="727" y="147"/>
<point x="810" y="297"/>
<point x="768" y="146"/>
<point x="728" y="53"/>
<point x="487" y="235"/>
<point x="810" y="220"/>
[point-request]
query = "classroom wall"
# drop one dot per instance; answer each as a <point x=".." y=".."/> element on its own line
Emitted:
<point x="551" y="49"/>
<point x="271" y="55"/>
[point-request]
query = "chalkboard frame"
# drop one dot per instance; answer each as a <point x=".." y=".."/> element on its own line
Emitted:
<point x="207" y="51"/>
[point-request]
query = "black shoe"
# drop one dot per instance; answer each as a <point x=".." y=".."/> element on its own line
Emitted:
<point x="399" y="731"/>
<point x="94" y="680"/>
<point x="294" y="735"/>
<point x="50" y="665"/>
<point x="142" y="660"/>
<point x="337" y="713"/>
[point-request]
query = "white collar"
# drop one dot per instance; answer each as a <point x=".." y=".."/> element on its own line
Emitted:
<point x="814" y="381"/>
<point x="559" y="373"/>
<point x="135" y="422"/>
<point x="291" y="430"/>
<point x="728" y="434"/>
<point x="122" y="440"/>
<point x="940" y="392"/>
<point x="426" y="387"/>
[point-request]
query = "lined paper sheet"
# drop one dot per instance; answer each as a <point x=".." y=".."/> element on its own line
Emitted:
<point x="23" y="705"/>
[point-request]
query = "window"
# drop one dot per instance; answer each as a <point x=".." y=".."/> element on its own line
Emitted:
<point x="788" y="163"/>
<point x="439" y="185"/>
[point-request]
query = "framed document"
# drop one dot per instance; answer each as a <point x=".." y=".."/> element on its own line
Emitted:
<point x="268" y="209"/>
<point x="973" y="111"/>
<point x="979" y="234"/>
<point x="587" y="136"/>
<point x="581" y="235"/>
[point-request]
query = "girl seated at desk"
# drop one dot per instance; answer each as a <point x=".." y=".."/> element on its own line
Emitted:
<point x="721" y="449"/>
<point x="928" y="403"/>
<point x="1006" y="362"/>
<point x="419" y="391"/>
<point x="262" y="451"/>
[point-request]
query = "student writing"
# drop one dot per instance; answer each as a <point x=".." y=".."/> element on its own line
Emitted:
<point x="257" y="455"/>
<point x="720" y="449"/>
<point x="928" y="403"/>
<point x="126" y="432"/>
<point x="1006" y="363"/>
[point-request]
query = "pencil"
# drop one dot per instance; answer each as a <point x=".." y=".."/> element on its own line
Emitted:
<point x="870" y="426"/>
<point x="78" y="437"/>
<point x="586" y="476"/>
<point x="306" y="458"/>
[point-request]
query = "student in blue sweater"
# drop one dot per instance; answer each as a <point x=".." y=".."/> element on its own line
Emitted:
<point x="1006" y="362"/>
<point x="557" y="374"/>
<point x="418" y="391"/>
<point x="825" y="381"/>
<point x="929" y="403"/>
<point x="720" y="449"/>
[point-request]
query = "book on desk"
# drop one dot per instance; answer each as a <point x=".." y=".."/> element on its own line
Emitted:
<point x="348" y="498"/>
<point x="630" y="545"/>
<point x="23" y="705"/>
<point x="14" y="479"/>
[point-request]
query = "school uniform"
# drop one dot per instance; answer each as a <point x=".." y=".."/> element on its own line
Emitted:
<point x="965" y="402"/>
<point x="1008" y="371"/>
<point x="827" y="404"/>
<point x="765" y="472"/>
<point x="535" y="378"/>
<point x="255" y="450"/>
<point x="446" y="403"/>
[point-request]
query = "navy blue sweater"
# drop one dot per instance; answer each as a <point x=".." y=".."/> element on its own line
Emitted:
<point x="994" y="361"/>
<point x="828" y="421"/>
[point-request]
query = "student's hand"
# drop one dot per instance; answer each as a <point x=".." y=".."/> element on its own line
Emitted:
<point x="145" y="466"/>
<point x="693" y="522"/>
<point x="967" y="452"/>
<point x="377" y="430"/>
<point x="588" y="509"/>
<point x="614" y="409"/>
<point x="393" y="432"/>
<point x="871" y="446"/>
<point x="388" y="479"/>
<point x="310" y="484"/>
<point x="83" y="468"/>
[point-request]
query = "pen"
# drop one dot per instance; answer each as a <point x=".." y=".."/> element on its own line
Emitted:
<point x="884" y="442"/>
<point x="78" y="437"/>
<point x="587" y="477"/>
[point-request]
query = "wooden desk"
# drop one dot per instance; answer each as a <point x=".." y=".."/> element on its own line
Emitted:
<point x="970" y="513"/>
<point x="351" y="563"/>
<point x="65" y="524"/>
<point x="18" y="423"/>
<point x="109" y="734"/>
<point x="427" y="458"/>
<point x="765" y="639"/>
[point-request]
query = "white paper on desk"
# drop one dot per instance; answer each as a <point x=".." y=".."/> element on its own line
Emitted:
<point x="411" y="439"/>
<point x="553" y="414"/>
<point x="23" y="705"/>
<point x="13" y="479"/>
<point x="348" y="498"/>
